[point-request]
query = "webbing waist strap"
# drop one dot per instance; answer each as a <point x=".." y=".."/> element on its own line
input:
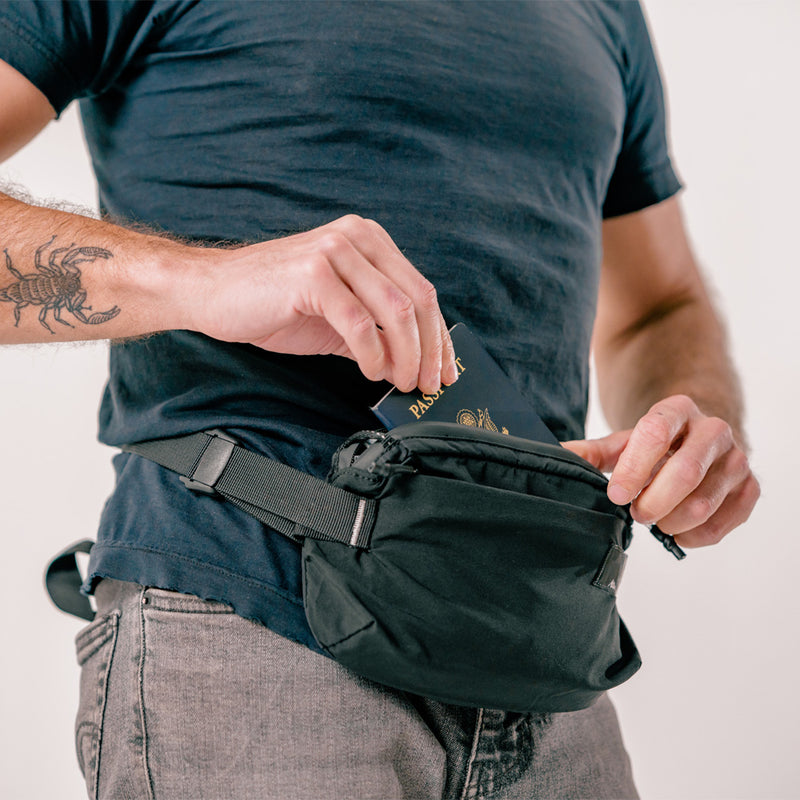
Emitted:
<point x="292" y="502"/>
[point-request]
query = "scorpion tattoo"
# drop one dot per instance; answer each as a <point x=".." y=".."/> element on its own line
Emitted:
<point x="56" y="285"/>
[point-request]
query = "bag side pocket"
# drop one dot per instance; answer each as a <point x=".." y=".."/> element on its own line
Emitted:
<point x="94" y="646"/>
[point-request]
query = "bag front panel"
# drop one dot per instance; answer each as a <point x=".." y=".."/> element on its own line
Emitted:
<point x="474" y="595"/>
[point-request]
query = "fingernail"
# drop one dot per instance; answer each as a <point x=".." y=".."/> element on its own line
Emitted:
<point x="450" y="375"/>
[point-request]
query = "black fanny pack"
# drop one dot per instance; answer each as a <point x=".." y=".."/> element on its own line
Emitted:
<point x="490" y="574"/>
<point x="457" y="563"/>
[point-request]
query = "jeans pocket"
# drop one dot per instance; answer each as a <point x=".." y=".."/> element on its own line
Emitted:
<point x="95" y="648"/>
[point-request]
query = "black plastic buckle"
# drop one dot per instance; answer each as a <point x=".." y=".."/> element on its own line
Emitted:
<point x="211" y="464"/>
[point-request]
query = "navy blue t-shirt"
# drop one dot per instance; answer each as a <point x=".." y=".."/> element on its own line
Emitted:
<point x="489" y="139"/>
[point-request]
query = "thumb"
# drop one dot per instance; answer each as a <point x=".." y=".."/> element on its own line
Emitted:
<point x="601" y="453"/>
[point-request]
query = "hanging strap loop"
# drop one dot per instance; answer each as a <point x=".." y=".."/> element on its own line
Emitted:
<point x="63" y="582"/>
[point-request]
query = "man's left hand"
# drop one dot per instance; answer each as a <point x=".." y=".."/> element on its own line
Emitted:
<point x="680" y="469"/>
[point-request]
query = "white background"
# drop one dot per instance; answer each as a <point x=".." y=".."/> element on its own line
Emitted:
<point x="713" y="713"/>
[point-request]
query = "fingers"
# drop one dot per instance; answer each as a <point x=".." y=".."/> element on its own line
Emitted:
<point x="650" y="441"/>
<point x="601" y="453"/>
<point x="694" y="481"/>
<point x="680" y="469"/>
<point x="374" y="317"/>
<point x="401" y="301"/>
<point x="734" y="511"/>
<point x="351" y="319"/>
<point x="449" y="367"/>
<point x="342" y="288"/>
<point x="725" y="480"/>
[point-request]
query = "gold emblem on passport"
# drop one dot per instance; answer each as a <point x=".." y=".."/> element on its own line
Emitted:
<point x="478" y="419"/>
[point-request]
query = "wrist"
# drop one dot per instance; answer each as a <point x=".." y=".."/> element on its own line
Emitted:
<point x="166" y="283"/>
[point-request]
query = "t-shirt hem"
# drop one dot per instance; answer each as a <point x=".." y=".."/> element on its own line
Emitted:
<point x="275" y="608"/>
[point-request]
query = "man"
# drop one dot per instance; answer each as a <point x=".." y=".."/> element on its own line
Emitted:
<point x="491" y="140"/>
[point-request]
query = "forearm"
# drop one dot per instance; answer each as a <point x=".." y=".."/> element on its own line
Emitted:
<point x="66" y="277"/>
<point x="343" y="288"/>
<point x="667" y="385"/>
<point x="680" y="348"/>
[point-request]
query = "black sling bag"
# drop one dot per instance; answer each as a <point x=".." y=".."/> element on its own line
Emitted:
<point x="457" y="563"/>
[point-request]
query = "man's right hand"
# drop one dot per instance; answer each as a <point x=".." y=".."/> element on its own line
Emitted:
<point x="343" y="288"/>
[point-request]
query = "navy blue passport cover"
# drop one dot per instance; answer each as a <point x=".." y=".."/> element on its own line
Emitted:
<point x="483" y="397"/>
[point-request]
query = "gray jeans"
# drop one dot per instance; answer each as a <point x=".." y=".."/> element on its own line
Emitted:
<point x="182" y="698"/>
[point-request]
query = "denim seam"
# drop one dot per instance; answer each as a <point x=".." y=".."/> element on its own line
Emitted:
<point x="113" y="622"/>
<point x="508" y="773"/>
<point x="473" y="754"/>
<point x="89" y="641"/>
<point x="140" y="680"/>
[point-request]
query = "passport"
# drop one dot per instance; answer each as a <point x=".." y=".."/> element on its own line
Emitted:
<point x="482" y="397"/>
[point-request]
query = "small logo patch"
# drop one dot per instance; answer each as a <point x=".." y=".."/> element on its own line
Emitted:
<point x="610" y="573"/>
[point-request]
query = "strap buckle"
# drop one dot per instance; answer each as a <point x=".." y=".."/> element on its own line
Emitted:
<point x="211" y="464"/>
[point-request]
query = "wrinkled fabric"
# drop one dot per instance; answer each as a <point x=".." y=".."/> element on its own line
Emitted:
<point x="258" y="716"/>
<point x="489" y="139"/>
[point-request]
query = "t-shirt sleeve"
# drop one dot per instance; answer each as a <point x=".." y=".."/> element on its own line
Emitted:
<point x="643" y="174"/>
<point x="74" y="48"/>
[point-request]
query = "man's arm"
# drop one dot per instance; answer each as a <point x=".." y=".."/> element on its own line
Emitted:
<point x="25" y="111"/>
<point x="343" y="288"/>
<point x="667" y="383"/>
